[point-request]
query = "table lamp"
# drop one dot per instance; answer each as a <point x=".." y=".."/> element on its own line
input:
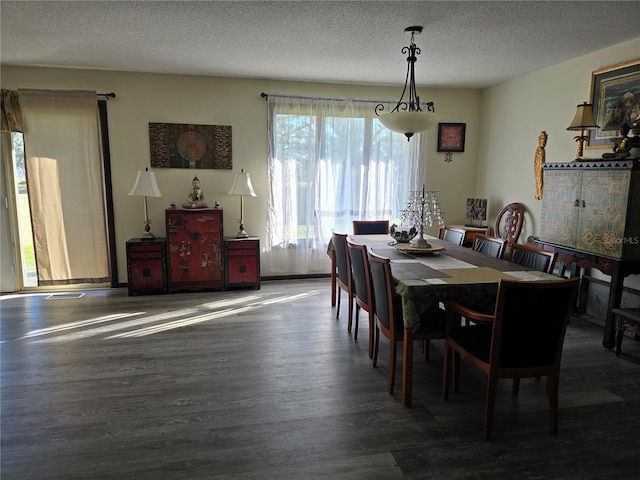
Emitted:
<point x="581" y="122"/>
<point x="146" y="186"/>
<point x="242" y="186"/>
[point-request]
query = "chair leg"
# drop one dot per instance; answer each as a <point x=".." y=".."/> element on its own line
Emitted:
<point x="355" y="333"/>
<point x="392" y="366"/>
<point x="492" y="387"/>
<point x="338" y="306"/>
<point x="445" y="371"/>
<point x="333" y="279"/>
<point x="375" y="347"/>
<point x="350" y="314"/>
<point x="455" y="365"/>
<point x="552" y="387"/>
<point x="515" y="387"/>
<point x="371" y="327"/>
<point x="426" y="349"/>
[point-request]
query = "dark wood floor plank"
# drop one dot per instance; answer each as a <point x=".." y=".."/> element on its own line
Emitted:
<point x="269" y="384"/>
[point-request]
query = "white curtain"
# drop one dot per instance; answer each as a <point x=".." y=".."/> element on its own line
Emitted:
<point x="330" y="162"/>
<point x="65" y="181"/>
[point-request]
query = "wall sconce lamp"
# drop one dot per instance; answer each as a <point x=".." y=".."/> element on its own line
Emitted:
<point x="146" y="186"/>
<point x="581" y="122"/>
<point x="242" y="186"/>
<point x="476" y="211"/>
<point x="407" y="116"/>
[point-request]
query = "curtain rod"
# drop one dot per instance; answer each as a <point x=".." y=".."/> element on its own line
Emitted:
<point x="267" y="95"/>
<point x="107" y="95"/>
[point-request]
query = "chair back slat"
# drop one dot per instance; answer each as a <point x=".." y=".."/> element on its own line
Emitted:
<point x="532" y="257"/>
<point x="342" y="258"/>
<point x="509" y="222"/>
<point x="360" y="273"/>
<point x="487" y="245"/>
<point x="370" y="227"/>
<point x="531" y="320"/>
<point x="382" y="289"/>
<point x="452" y="234"/>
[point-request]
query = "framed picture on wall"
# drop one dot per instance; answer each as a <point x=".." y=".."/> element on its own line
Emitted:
<point x="177" y="145"/>
<point x="615" y="95"/>
<point x="451" y="137"/>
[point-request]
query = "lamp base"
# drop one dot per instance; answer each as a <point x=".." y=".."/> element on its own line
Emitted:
<point x="147" y="232"/>
<point x="242" y="233"/>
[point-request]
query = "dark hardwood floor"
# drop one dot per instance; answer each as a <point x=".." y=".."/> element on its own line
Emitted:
<point x="268" y="384"/>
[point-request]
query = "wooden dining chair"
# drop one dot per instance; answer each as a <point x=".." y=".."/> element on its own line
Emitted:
<point x="362" y="288"/>
<point x="388" y="316"/>
<point x="533" y="257"/>
<point x="343" y="280"/>
<point x="452" y="235"/>
<point x="523" y="338"/>
<point x="488" y="245"/>
<point x="370" y="227"/>
<point x="509" y="223"/>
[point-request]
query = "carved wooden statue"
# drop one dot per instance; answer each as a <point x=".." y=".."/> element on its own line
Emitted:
<point x="537" y="164"/>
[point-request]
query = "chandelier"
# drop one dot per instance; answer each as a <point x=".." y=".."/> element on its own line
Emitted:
<point x="407" y="116"/>
<point x="422" y="211"/>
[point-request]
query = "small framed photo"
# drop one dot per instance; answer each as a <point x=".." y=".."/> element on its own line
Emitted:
<point x="615" y="92"/>
<point x="451" y="137"/>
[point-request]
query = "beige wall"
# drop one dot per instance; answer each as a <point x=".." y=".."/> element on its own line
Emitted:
<point x="144" y="98"/>
<point x="503" y="123"/>
<point x="514" y="113"/>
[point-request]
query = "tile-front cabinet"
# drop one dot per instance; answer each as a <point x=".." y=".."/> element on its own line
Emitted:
<point x="592" y="209"/>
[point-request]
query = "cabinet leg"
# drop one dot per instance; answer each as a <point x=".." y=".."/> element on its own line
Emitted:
<point x="615" y="297"/>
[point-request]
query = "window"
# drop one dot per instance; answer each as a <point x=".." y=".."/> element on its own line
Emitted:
<point x="330" y="162"/>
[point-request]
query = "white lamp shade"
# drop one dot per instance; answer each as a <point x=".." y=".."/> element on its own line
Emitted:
<point x="409" y="122"/>
<point x="145" y="185"/>
<point x="242" y="185"/>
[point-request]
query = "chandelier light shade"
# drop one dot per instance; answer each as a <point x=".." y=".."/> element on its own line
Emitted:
<point x="146" y="186"/>
<point x="242" y="187"/>
<point x="581" y="122"/>
<point x="407" y="116"/>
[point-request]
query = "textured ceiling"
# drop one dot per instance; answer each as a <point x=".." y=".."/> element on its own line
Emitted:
<point x="464" y="44"/>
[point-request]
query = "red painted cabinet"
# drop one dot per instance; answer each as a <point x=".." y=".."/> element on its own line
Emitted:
<point x="194" y="241"/>
<point x="242" y="262"/>
<point x="147" y="265"/>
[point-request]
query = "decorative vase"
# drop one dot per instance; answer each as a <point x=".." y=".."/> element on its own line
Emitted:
<point x="402" y="233"/>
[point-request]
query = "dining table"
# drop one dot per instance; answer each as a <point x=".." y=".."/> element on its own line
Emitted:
<point x="426" y="278"/>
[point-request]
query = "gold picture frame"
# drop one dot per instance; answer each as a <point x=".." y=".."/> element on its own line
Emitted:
<point x="608" y="87"/>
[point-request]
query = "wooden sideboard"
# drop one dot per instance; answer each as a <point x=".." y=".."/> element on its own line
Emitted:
<point x="587" y="217"/>
<point x="194" y="242"/>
